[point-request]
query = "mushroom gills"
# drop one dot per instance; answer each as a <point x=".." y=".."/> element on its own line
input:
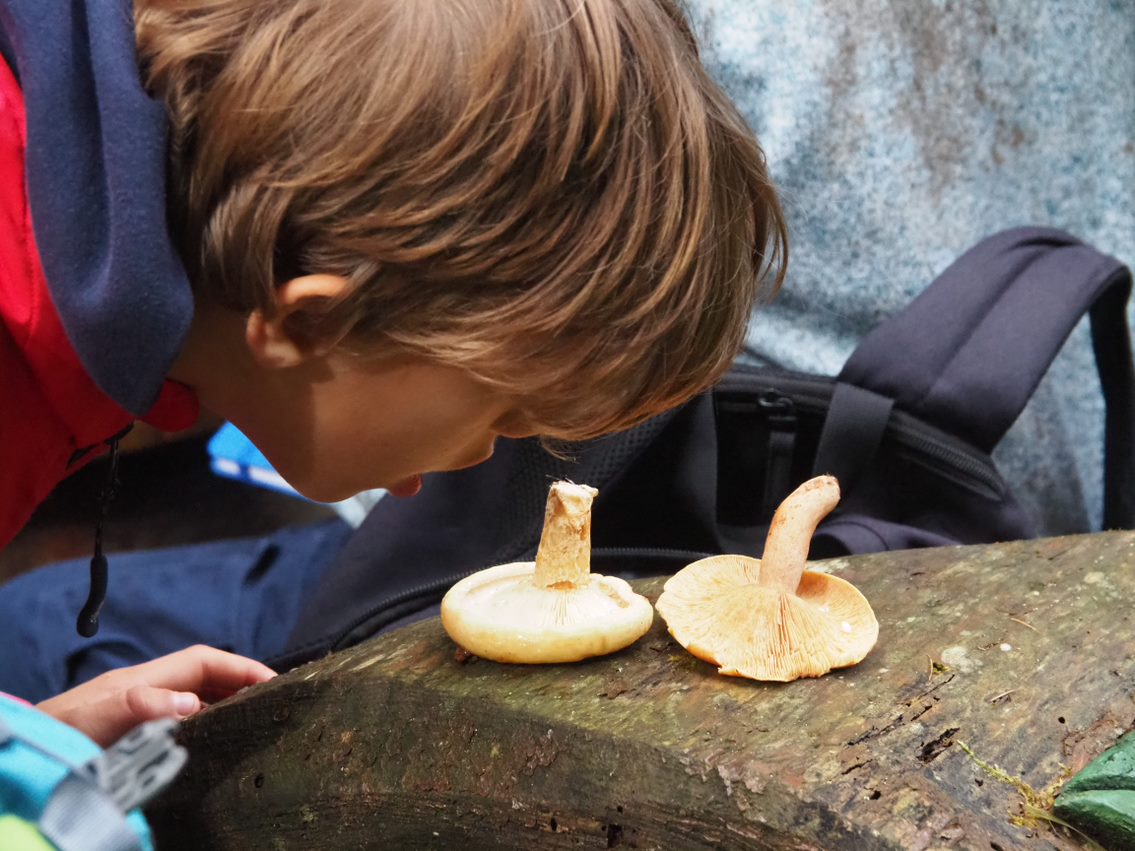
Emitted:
<point x="770" y="619"/>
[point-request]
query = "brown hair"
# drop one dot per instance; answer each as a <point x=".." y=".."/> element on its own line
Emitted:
<point x="550" y="194"/>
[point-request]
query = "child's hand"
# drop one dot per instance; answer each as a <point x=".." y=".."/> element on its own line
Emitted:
<point x="172" y="686"/>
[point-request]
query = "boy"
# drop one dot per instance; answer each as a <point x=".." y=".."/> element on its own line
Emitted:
<point x="396" y="231"/>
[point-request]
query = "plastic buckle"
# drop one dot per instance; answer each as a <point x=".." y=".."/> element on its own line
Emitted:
<point x="138" y="766"/>
<point x="779" y="409"/>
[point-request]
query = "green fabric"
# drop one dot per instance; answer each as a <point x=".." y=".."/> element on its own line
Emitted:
<point x="18" y="835"/>
<point x="1100" y="800"/>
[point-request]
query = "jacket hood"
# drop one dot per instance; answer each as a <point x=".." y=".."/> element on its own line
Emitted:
<point x="96" y="175"/>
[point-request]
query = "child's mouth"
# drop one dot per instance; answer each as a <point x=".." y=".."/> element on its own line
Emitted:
<point x="407" y="487"/>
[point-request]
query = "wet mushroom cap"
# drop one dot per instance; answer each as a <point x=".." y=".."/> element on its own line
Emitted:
<point x="716" y="610"/>
<point x="503" y="615"/>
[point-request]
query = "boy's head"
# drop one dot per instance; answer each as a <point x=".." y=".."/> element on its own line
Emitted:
<point x="550" y="196"/>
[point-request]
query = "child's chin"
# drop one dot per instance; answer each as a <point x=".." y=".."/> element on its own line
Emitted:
<point x="480" y="456"/>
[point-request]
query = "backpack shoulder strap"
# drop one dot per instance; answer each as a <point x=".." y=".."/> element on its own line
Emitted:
<point x="58" y="785"/>
<point x="968" y="353"/>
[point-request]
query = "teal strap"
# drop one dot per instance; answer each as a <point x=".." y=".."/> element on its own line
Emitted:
<point x="91" y="804"/>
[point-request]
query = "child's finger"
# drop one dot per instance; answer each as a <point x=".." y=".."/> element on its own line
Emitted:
<point x="112" y="704"/>
<point x="146" y="703"/>
<point x="108" y="719"/>
<point x="204" y="669"/>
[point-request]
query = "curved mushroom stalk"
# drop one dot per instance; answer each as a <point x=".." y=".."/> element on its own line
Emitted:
<point x="769" y="618"/>
<point x="553" y="609"/>
<point x="790" y="533"/>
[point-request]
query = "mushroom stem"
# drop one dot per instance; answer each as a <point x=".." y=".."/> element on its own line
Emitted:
<point x="564" y="554"/>
<point x="790" y="534"/>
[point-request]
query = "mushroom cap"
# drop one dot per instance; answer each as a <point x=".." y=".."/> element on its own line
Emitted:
<point x="716" y="610"/>
<point x="501" y="614"/>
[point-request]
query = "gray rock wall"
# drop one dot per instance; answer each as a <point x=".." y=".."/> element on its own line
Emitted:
<point x="900" y="133"/>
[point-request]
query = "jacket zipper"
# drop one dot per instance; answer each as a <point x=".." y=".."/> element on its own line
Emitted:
<point x="87" y="623"/>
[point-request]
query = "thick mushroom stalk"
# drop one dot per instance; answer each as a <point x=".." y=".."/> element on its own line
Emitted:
<point x="553" y="609"/>
<point x="769" y="618"/>
<point x="564" y="553"/>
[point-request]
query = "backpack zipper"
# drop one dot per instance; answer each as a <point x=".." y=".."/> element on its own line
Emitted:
<point x="436" y="586"/>
<point x="786" y="395"/>
<point x="814" y="395"/>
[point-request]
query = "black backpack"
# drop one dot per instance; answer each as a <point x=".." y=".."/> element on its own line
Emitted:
<point x="907" y="427"/>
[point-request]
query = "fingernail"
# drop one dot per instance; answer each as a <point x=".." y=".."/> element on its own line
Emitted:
<point x="185" y="704"/>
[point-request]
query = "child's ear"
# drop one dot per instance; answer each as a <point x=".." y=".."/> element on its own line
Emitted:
<point x="268" y="336"/>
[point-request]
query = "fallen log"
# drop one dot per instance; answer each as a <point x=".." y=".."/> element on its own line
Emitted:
<point x="999" y="671"/>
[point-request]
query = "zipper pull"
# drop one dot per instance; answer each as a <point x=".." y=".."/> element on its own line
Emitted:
<point x="87" y="623"/>
<point x="782" y="423"/>
<point x="756" y="439"/>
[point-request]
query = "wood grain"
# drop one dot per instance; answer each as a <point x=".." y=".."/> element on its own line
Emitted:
<point x="1024" y="652"/>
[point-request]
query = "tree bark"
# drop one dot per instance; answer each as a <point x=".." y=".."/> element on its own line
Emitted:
<point x="1022" y="652"/>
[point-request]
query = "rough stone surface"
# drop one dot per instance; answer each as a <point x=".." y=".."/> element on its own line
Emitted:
<point x="900" y="134"/>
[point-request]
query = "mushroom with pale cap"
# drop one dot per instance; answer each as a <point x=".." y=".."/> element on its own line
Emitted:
<point x="553" y="609"/>
<point x="769" y="618"/>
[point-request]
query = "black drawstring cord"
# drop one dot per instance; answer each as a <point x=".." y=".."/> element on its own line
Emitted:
<point x="88" y="621"/>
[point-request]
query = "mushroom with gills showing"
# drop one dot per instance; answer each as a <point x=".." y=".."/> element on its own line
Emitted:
<point x="553" y="609"/>
<point x="769" y="618"/>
